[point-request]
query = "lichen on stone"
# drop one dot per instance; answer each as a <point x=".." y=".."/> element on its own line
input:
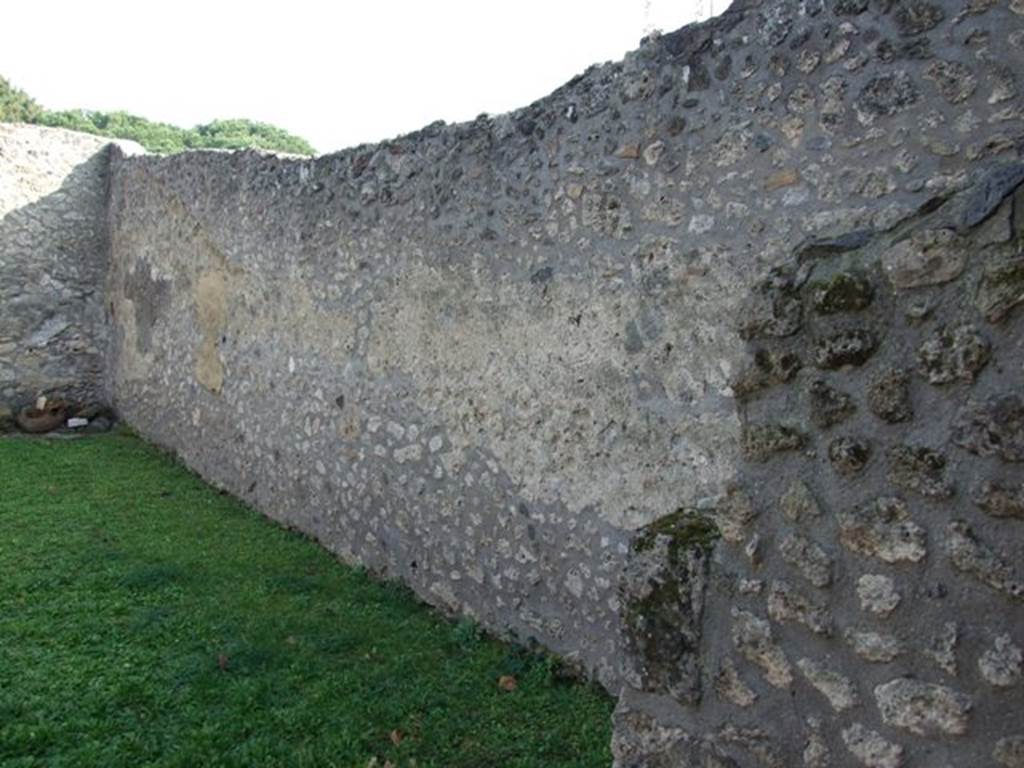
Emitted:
<point x="883" y="529"/>
<point x="889" y="396"/>
<point x="994" y="427"/>
<point x="1001" y="288"/>
<point x="762" y="441"/>
<point x="971" y="556"/>
<point x="926" y="709"/>
<point x="919" y="469"/>
<point x="849" y="455"/>
<point x="952" y="354"/>
<point x="828" y="405"/>
<point x="999" y="500"/>
<point x="843" y="292"/>
<point x="852" y="347"/>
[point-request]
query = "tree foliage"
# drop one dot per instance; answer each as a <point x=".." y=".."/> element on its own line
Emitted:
<point x="16" y="106"/>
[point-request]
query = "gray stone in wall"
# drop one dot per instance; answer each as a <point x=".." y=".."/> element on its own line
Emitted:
<point x="994" y="427"/>
<point x="923" y="708"/>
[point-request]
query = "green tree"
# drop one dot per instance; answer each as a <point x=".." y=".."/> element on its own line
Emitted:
<point x="155" y="137"/>
<point x="16" y="106"/>
<point x="238" y="134"/>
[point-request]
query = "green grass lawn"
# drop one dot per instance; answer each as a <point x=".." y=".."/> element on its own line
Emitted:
<point x="146" y="619"/>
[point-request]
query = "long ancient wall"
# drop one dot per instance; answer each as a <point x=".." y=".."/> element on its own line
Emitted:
<point x="704" y="371"/>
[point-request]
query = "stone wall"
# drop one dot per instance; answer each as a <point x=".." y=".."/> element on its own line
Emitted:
<point x="53" y="263"/>
<point x="703" y="371"/>
<point x="860" y="588"/>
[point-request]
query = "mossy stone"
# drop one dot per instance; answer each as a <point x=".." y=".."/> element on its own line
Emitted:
<point x="663" y="617"/>
<point x="686" y="528"/>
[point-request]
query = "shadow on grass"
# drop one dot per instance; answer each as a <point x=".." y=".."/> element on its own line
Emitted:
<point x="154" y="576"/>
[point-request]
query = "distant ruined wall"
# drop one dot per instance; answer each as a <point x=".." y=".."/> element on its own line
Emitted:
<point x="53" y="264"/>
<point x="704" y="371"/>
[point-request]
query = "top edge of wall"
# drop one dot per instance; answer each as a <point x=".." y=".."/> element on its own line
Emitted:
<point x="678" y="44"/>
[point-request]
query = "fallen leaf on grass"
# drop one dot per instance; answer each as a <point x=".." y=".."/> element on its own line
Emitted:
<point x="507" y="683"/>
<point x="396" y="737"/>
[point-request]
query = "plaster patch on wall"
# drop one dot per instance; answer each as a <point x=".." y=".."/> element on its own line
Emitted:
<point x="568" y="410"/>
<point x="133" y="364"/>
<point x="211" y="309"/>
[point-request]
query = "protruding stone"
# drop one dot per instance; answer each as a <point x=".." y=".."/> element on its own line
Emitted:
<point x="1001" y="664"/>
<point x="755" y="741"/>
<point x="1001" y="288"/>
<point x="974" y="558"/>
<point x="1009" y="751"/>
<point x="784" y="178"/>
<point x="753" y="639"/>
<point x="838" y="689"/>
<point x="823" y="247"/>
<point x="889" y="396"/>
<point x="988" y="194"/>
<point x="941" y="648"/>
<point x="606" y="214"/>
<point x="663" y="590"/>
<point x="874" y="646"/>
<point x="885" y="95"/>
<point x="630" y="151"/>
<point x="787" y="604"/>
<point x="853" y="347"/>
<point x="798" y="503"/>
<point x="877" y="593"/>
<point x="733" y="514"/>
<point x="960" y="353"/>
<point x="1000" y="501"/>
<point x="730" y="686"/>
<point x="762" y="441"/>
<point x="653" y="152"/>
<point x="955" y="82"/>
<point x="992" y="428"/>
<point x="752" y="549"/>
<point x="883" y="529"/>
<point x="767" y="369"/>
<point x="919" y="469"/>
<point x="914" y="17"/>
<point x="773" y="309"/>
<point x="926" y="709"/>
<point x="927" y="257"/>
<point x="871" y="749"/>
<point x="844" y="292"/>
<point x="889" y="51"/>
<point x="816" y="752"/>
<point x="638" y="737"/>
<point x="849" y="455"/>
<point x="829" y="406"/>
<point x="750" y="586"/>
<point x="849" y="7"/>
<point x="808" y="558"/>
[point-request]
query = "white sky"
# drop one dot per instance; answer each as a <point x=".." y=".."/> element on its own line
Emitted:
<point x="335" y="73"/>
